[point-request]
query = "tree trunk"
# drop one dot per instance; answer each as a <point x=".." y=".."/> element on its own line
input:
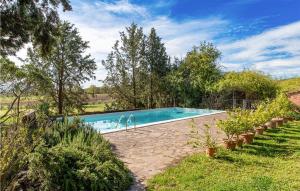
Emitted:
<point x="134" y="87"/>
<point x="60" y="99"/>
<point x="18" y="106"/>
<point x="151" y="92"/>
<point x="60" y="88"/>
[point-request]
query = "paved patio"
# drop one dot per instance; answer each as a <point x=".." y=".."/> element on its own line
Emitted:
<point x="149" y="150"/>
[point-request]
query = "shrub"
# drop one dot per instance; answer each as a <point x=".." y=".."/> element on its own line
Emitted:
<point x="73" y="156"/>
<point x="238" y="122"/>
<point x="280" y="107"/>
<point x="228" y="127"/>
<point x="261" y="115"/>
<point x="204" y="138"/>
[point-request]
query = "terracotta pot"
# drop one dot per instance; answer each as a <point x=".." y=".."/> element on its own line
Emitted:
<point x="239" y="142"/>
<point x="247" y="137"/>
<point x="271" y="125"/>
<point x="259" y="130"/>
<point x="251" y="134"/>
<point x="278" y="121"/>
<point x="210" y="152"/>
<point x="265" y="127"/>
<point x="229" y="144"/>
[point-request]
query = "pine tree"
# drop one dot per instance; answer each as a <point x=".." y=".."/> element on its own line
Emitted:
<point x="29" y="21"/>
<point x="61" y="73"/>
<point x="158" y="65"/>
<point x="126" y="67"/>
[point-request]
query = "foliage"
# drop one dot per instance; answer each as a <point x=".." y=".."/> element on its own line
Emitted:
<point x="59" y="76"/>
<point x="70" y="156"/>
<point x="271" y="163"/>
<point x="196" y="74"/>
<point x="136" y="69"/>
<point x="228" y="127"/>
<point x="157" y="69"/>
<point x="204" y="138"/>
<point x="280" y="106"/>
<point x="92" y="89"/>
<point x="29" y="21"/>
<point x="15" y="82"/>
<point x="238" y="122"/>
<point x="17" y="141"/>
<point x="255" y="85"/>
<point x="126" y="67"/>
<point x="261" y="115"/>
<point x="289" y="85"/>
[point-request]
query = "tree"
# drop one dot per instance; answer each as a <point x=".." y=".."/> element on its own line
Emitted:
<point x="29" y="21"/>
<point x="92" y="90"/>
<point x="158" y="66"/>
<point x="254" y="85"/>
<point x="126" y="67"/>
<point x="14" y="82"/>
<point x="61" y="73"/>
<point x="196" y="74"/>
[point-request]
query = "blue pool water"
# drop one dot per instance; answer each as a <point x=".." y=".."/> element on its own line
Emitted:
<point x="118" y="121"/>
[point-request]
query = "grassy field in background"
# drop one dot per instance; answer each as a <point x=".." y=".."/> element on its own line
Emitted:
<point x="9" y="99"/>
<point x="6" y="100"/>
<point x="271" y="163"/>
<point x="290" y="85"/>
<point x="99" y="107"/>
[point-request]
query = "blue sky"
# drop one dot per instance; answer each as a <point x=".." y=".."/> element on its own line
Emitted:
<point x="253" y="34"/>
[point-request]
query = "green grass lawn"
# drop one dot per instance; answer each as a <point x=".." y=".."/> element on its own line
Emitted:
<point x="99" y="107"/>
<point x="271" y="163"/>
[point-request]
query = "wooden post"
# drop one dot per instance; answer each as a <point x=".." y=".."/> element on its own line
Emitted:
<point x="244" y="104"/>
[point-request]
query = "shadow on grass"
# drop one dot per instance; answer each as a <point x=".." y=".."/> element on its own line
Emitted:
<point x="275" y="142"/>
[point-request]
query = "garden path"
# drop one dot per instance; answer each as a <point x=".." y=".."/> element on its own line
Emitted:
<point x="149" y="150"/>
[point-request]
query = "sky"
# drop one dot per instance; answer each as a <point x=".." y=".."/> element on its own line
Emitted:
<point x="251" y="34"/>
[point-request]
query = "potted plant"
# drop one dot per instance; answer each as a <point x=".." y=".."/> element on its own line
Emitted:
<point x="247" y="124"/>
<point x="239" y="140"/>
<point x="239" y="129"/>
<point x="229" y="128"/>
<point x="259" y="118"/>
<point x="204" y="139"/>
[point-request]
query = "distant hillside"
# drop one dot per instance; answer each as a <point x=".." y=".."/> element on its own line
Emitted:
<point x="290" y="85"/>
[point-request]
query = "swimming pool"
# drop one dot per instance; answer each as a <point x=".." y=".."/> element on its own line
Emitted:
<point x="111" y="122"/>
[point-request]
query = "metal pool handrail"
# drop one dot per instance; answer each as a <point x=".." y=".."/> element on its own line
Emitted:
<point x="129" y="119"/>
<point x="120" y="119"/>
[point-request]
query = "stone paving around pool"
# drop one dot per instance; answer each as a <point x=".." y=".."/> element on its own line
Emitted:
<point x="149" y="150"/>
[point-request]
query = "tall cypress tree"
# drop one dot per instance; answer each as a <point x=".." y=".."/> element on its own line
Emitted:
<point x="126" y="68"/>
<point x="158" y="65"/>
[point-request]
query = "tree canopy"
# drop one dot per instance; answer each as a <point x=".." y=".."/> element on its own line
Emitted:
<point x="29" y="21"/>
<point x="158" y="64"/>
<point x="196" y="74"/>
<point x="61" y="73"/>
<point x="255" y="85"/>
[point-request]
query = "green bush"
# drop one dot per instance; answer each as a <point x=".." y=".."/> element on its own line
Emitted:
<point x="280" y="107"/>
<point x="73" y="156"/>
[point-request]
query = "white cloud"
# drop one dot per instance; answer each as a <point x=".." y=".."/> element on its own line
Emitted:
<point x="274" y="51"/>
<point x="122" y="6"/>
<point x="101" y="22"/>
